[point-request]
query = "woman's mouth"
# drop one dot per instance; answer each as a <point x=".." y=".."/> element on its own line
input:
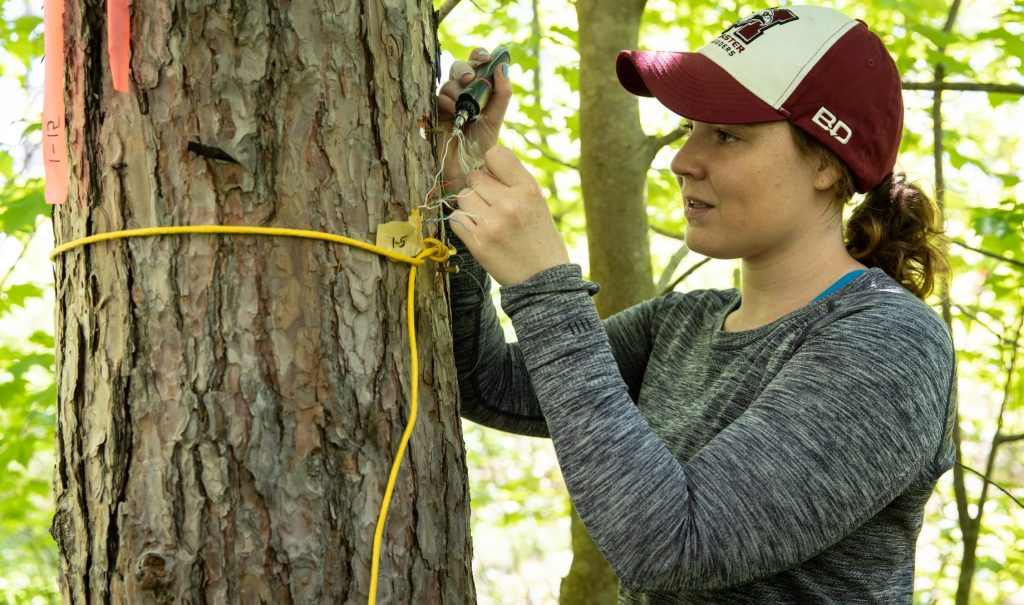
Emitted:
<point x="696" y="207"/>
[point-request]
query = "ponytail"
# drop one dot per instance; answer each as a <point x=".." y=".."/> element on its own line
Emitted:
<point x="897" y="228"/>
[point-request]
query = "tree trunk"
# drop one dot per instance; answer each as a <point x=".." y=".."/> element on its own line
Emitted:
<point x="229" y="406"/>
<point x="615" y="156"/>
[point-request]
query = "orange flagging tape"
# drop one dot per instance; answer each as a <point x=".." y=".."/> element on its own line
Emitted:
<point x="55" y="139"/>
<point x="119" y="42"/>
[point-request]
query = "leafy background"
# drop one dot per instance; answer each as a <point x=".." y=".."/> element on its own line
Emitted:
<point x="520" y="509"/>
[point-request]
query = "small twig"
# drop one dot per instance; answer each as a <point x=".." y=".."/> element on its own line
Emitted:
<point x="656" y="143"/>
<point x="21" y="256"/>
<point x="1008" y="438"/>
<point x="670" y="268"/>
<point x="990" y="464"/>
<point x="983" y="252"/>
<point x="1002" y="339"/>
<point x="544" y="152"/>
<point x="445" y="9"/>
<point x="686" y="274"/>
<point x="992" y="483"/>
<point x="964" y="86"/>
<point x="667" y="233"/>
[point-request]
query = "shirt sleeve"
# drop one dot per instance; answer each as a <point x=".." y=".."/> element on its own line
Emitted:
<point x="494" y="384"/>
<point x="849" y="422"/>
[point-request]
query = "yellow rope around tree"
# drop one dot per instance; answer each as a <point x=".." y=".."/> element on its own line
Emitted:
<point x="434" y="250"/>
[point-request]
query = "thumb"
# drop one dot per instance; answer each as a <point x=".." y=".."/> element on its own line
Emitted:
<point x="494" y="111"/>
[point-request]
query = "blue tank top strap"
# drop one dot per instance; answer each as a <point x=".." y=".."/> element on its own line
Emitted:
<point x="842" y="281"/>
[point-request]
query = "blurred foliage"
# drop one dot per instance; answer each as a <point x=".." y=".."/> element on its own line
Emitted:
<point x="520" y="524"/>
<point x="28" y="555"/>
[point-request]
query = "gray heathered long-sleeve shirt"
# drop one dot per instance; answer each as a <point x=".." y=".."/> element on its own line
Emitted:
<point x="786" y="464"/>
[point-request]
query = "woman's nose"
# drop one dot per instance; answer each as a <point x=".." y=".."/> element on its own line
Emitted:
<point x="686" y="163"/>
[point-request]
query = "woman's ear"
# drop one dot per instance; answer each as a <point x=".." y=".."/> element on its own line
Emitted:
<point x="826" y="174"/>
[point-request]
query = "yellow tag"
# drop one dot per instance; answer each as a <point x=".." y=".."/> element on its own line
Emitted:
<point x="403" y="237"/>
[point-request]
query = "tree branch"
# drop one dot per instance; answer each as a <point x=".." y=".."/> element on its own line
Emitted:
<point x="959" y="487"/>
<point x="940" y="86"/>
<point x="686" y="274"/>
<point x="959" y="484"/>
<point x="671" y="267"/>
<point x="954" y="9"/>
<point x="983" y="252"/>
<point x="538" y="86"/>
<point x="543" y="151"/>
<point x="666" y="232"/>
<point x="656" y="143"/>
<point x="992" y="483"/>
<point x="1001" y="438"/>
<point x="990" y="463"/>
<point x="999" y="337"/>
<point x="21" y="257"/>
<point x="445" y="9"/>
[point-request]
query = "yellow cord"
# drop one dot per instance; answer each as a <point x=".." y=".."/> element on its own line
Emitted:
<point x="225" y="229"/>
<point x="434" y="250"/>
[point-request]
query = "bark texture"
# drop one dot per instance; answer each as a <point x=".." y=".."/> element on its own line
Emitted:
<point x="615" y="156"/>
<point x="229" y="406"/>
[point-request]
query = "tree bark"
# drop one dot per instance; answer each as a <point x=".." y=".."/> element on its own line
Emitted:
<point x="615" y="156"/>
<point x="229" y="406"/>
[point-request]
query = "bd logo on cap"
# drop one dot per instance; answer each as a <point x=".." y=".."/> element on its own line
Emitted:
<point x="751" y="28"/>
<point x="835" y="127"/>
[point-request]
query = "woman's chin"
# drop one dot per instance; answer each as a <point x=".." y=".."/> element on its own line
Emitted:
<point x="706" y="247"/>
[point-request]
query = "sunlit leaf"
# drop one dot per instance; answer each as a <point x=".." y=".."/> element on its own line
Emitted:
<point x="21" y="207"/>
<point x="16" y="295"/>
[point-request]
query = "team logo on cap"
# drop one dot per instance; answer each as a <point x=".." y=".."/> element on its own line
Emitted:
<point x="750" y="28"/>
<point x="735" y="39"/>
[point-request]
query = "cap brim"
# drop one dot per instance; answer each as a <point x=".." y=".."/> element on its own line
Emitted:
<point x="693" y="86"/>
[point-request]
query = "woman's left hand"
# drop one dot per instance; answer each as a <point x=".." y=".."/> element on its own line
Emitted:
<point x="504" y="220"/>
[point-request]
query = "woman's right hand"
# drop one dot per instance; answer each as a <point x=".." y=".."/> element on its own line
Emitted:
<point x="482" y="134"/>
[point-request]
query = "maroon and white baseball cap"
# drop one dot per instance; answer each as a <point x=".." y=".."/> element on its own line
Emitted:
<point x="827" y="74"/>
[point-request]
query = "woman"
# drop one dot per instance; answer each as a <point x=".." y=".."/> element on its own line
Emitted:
<point x="775" y="444"/>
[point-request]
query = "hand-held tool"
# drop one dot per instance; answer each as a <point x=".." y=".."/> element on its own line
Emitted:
<point x="471" y="102"/>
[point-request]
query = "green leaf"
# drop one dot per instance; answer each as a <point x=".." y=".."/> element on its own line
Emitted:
<point x="6" y="165"/>
<point x="43" y="339"/>
<point x="563" y="35"/>
<point x="1012" y="44"/>
<point x="997" y="99"/>
<point x="20" y="207"/>
<point x="936" y="36"/>
<point x="22" y="39"/>
<point x="16" y="295"/>
<point x="31" y="128"/>
<point x="1009" y="180"/>
<point x="950" y="64"/>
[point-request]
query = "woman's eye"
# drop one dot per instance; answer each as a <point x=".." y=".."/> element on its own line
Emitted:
<point x="724" y="136"/>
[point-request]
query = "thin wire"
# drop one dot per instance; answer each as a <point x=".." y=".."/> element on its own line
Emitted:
<point x="469" y="152"/>
<point x="436" y="182"/>
<point x="434" y="250"/>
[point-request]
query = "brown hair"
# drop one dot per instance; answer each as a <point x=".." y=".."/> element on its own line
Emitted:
<point x="896" y="227"/>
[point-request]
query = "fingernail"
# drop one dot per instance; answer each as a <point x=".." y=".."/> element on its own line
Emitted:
<point x="504" y="69"/>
